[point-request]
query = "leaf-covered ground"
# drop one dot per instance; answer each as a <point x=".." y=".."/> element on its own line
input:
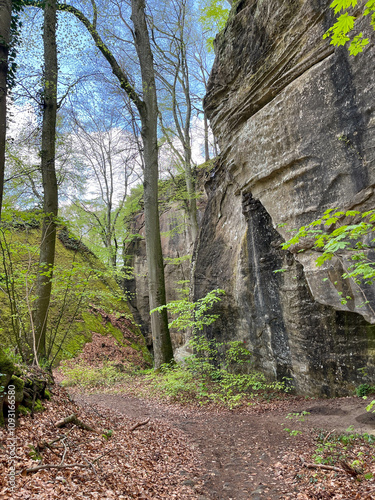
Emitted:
<point x="144" y="463"/>
<point x="188" y="451"/>
<point x="247" y="454"/>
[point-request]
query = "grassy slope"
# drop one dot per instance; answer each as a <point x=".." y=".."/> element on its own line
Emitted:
<point x="87" y="285"/>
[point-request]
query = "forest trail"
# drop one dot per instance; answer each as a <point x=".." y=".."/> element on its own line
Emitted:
<point x="246" y="453"/>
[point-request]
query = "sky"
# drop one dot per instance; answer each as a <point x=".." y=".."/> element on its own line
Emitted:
<point x="95" y="89"/>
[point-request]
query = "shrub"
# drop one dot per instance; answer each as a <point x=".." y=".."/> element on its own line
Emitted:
<point x="205" y="376"/>
<point x="364" y="390"/>
<point x="81" y="374"/>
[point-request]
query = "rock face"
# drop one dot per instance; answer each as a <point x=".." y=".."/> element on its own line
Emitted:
<point x="294" y="119"/>
<point x="177" y="246"/>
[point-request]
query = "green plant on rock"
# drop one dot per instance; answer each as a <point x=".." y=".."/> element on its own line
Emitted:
<point x="344" y="30"/>
<point x="331" y="237"/>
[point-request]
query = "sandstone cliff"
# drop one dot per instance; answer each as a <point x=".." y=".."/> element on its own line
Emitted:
<point x="177" y="246"/>
<point x="294" y="119"/>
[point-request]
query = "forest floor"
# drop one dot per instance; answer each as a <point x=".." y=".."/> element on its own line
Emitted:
<point x="246" y="453"/>
<point x="145" y="447"/>
<point x="161" y="450"/>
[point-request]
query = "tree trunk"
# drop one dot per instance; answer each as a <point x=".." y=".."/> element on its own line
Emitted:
<point x="5" y="21"/>
<point x="162" y="344"/>
<point x="191" y="191"/>
<point x="50" y="208"/>
<point x="206" y="148"/>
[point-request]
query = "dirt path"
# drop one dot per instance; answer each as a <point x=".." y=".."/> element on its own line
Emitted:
<point x="241" y="450"/>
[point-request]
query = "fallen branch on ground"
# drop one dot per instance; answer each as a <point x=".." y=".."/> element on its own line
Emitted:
<point x="327" y="436"/>
<point x="44" y="444"/>
<point x="139" y="424"/>
<point x="348" y="470"/>
<point x="50" y="466"/>
<point x="72" y="419"/>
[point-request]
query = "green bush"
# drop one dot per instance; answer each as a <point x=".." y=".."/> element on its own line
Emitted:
<point x="205" y="376"/>
<point x="81" y="374"/>
<point x="364" y="390"/>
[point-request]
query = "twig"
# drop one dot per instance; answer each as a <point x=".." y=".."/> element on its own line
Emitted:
<point x="321" y="466"/>
<point x="139" y="424"/>
<point x="101" y="456"/>
<point x="50" y="466"/>
<point x="44" y="444"/>
<point x="327" y="436"/>
<point x="64" y="454"/>
<point x="72" y="419"/>
<point x="90" y="464"/>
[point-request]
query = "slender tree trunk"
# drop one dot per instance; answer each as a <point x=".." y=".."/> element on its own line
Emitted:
<point x="50" y="208"/>
<point x="206" y="148"/>
<point x="191" y="191"/>
<point x="189" y="173"/>
<point x="162" y="345"/>
<point x="5" y="21"/>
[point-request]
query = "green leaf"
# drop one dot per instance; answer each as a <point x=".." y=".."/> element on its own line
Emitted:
<point x="339" y="5"/>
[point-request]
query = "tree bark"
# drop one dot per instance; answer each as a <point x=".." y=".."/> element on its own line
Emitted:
<point x="206" y="147"/>
<point x="50" y="206"/>
<point x="5" y="21"/>
<point x="162" y="344"/>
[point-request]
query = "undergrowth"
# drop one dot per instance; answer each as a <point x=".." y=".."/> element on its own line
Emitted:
<point x="349" y="448"/>
<point x="211" y="374"/>
<point x="222" y="373"/>
<point x="80" y="374"/>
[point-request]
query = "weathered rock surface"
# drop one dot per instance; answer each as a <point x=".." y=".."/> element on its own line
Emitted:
<point x="294" y="119"/>
<point x="177" y="246"/>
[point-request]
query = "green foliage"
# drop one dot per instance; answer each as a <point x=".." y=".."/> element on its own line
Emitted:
<point x="34" y="454"/>
<point x="340" y="32"/>
<point x="192" y="315"/>
<point x="38" y="406"/>
<point x="134" y="202"/>
<point x="79" y="279"/>
<point x="334" y="448"/>
<point x="15" y="29"/>
<point x="332" y="238"/>
<point x="212" y="372"/>
<point x="12" y="355"/>
<point x="214" y="15"/>
<point x="292" y="432"/>
<point x="371" y="406"/>
<point x="107" y="434"/>
<point x="80" y="374"/>
<point x="298" y="417"/>
<point x="23" y="410"/>
<point x="364" y="390"/>
<point x="207" y="376"/>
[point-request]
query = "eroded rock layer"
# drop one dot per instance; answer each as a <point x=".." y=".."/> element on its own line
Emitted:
<point x="294" y="119"/>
